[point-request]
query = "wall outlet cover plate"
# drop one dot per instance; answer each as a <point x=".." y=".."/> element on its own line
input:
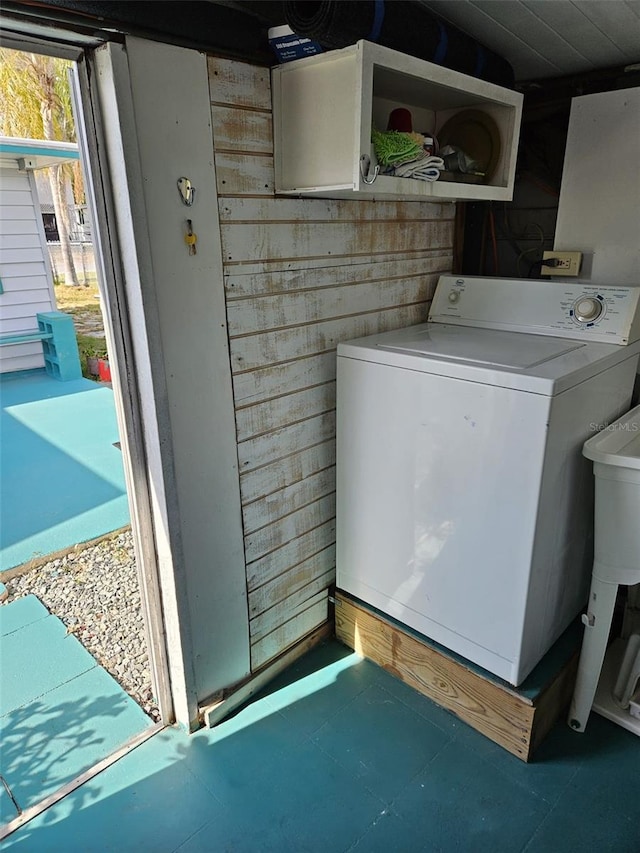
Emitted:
<point x="569" y="263"/>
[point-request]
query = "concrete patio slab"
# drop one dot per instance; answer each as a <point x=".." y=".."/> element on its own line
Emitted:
<point x="60" y="712"/>
<point x="61" y="477"/>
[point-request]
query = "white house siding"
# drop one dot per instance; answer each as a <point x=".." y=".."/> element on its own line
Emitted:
<point x="300" y="276"/>
<point x="24" y="269"/>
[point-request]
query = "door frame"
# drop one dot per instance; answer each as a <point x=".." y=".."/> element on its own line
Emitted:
<point x="129" y="357"/>
<point x="164" y="306"/>
<point x="121" y="251"/>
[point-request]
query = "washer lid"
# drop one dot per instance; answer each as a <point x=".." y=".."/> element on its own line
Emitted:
<point x="483" y="346"/>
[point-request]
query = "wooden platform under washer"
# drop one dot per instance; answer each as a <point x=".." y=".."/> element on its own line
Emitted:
<point x="516" y="718"/>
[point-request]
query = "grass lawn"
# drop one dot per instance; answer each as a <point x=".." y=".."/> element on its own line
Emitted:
<point x="82" y="298"/>
<point x="83" y="303"/>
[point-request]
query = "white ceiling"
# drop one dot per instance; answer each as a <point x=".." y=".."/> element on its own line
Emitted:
<point x="550" y="38"/>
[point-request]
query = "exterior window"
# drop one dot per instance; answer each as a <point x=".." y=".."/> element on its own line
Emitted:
<point x="50" y="227"/>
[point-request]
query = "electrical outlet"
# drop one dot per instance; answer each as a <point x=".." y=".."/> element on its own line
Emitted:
<point x="569" y="263"/>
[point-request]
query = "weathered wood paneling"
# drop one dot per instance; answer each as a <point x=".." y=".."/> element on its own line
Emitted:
<point x="249" y="241"/>
<point x="287" y="633"/>
<point x="320" y="566"/>
<point x="238" y="83"/>
<point x="242" y="130"/>
<point x="239" y="284"/>
<point x="272" y="381"/>
<point x="268" y="508"/>
<point x="282" y="559"/>
<point x="280" y="411"/>
<point x="301" y="275"/>
<point x="296" y="210"/>
<point x="287" y="529"/>
<point x="254" y="351"/>
<point x="294" y="309"/>
<point x="280" y="443"/>
<point x="297" y="603"/>
<point x="287" y="471"/>
<point x="269" y="265"/>
<point x="244" y="174"/>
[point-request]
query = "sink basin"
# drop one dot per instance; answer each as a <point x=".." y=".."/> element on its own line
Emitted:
<point x="618" y="444"/>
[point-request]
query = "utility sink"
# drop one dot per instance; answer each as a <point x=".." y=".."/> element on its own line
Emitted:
<point x="618" y="444"/>
<point x="615" y="452"/>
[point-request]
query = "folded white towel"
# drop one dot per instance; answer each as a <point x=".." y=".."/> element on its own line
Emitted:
<point x="425" y="168"/>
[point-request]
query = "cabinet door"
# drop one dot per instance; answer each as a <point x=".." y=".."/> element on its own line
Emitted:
<point x="316" y="121"/>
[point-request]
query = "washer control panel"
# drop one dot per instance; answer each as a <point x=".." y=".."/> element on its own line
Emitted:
<point x="608" y="313"/>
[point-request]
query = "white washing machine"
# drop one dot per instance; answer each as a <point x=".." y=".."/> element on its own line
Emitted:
<point x="464" y="502"/>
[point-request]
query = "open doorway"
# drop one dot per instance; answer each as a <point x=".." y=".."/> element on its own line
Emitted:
<point x="169" y="350"/>
<point x="74" y="601"/>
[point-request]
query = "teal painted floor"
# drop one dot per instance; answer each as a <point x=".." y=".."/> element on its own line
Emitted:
<point x="60" y="713"/>
<point x="339" y="756"/>
<point x="62" y="480"/>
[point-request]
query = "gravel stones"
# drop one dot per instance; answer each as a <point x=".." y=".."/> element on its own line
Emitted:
<point x="95" y="592"/>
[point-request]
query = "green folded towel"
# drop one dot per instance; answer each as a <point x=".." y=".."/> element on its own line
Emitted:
<point x="393" y="147"/>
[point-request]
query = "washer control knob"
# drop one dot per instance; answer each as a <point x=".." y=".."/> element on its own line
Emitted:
<point x="587" y="309"/>
<point x="454" y="296"/>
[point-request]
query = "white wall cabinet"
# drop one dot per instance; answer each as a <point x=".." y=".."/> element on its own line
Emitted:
<point x="324" y="107"/>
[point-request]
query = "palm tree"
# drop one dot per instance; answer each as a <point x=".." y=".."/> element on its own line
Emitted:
<point x="35" y="103"/>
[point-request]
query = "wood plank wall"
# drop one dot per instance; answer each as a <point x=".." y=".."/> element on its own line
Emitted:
<point x="300" y="275"/>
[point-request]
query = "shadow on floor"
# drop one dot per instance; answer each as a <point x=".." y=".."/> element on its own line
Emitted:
<point x="60" y="713"/>
<point x="339" y="756"/>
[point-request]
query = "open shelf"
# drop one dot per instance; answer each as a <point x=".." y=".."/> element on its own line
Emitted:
<point x="325" y="106"/>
